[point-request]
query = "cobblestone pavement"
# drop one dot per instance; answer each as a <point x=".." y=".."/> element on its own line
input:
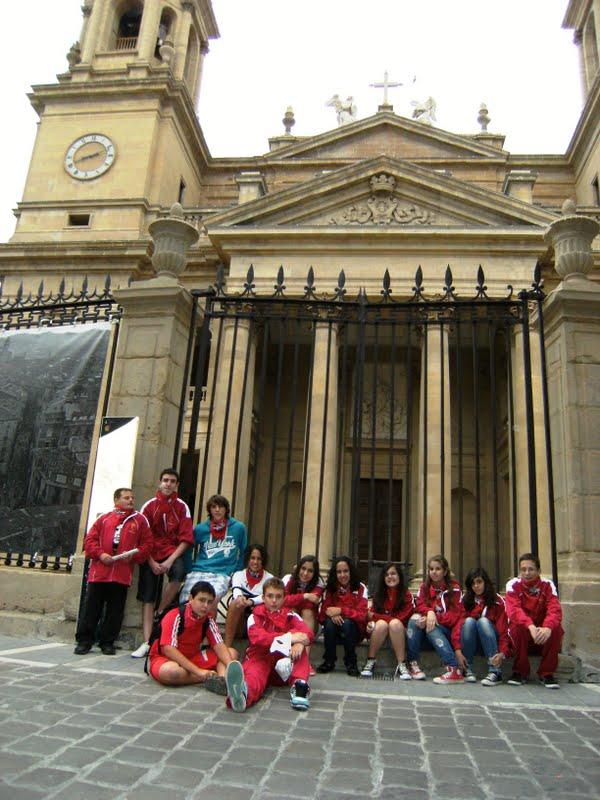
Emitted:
<point x="96" y="727"/>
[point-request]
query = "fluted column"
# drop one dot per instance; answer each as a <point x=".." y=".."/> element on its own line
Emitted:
<point x="227" y="464"/>
<point x="321" y="449"/>
<point x="181" y="40"/>
<point x="90" y="42"/>
<point x="435" y="455"/>
<point x="149" y="29"/>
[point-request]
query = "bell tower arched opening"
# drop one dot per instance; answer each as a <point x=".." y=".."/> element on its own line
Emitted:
<point x="126" y="25"/>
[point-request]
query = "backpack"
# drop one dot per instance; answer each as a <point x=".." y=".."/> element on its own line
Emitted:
<point x="156" y="631"/>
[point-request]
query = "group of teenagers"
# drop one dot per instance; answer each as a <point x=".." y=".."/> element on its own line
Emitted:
<point x="184" y="645"/>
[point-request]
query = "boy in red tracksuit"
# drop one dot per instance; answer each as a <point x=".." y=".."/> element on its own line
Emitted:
<point x="109" y="576"/>
<point x="172" y="533"/>
<point x="535" y="618"/>
<point x="276" y="653"/>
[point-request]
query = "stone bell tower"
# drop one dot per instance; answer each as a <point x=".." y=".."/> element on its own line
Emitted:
<point x="118" y="139"/>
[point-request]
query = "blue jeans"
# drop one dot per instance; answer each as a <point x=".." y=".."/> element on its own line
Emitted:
<point x="346" y="634"/>
<point x="479" y="635"/>
<point x="438" y="639"/>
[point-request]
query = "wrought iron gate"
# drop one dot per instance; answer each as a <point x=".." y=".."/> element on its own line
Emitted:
<point x="424" y="389"/>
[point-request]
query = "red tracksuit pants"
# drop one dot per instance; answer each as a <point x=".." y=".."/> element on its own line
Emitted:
<point x="259" y="672"/>
<point x="523" y="645"/>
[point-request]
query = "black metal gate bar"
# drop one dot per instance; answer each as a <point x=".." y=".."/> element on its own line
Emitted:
<point x="391" y="440"/>
<point x="442" y="440"/>
<point x="459" y="405"/>
<point x="494" y="443"/>
<point x="238" y="438"/>
<point x="185" y="381"/>
<point x="290" y="442"/>
<point x="343" y="399"/>
<point x="533" y="520"/>
<point x="200" y="498"/>
<point x="374" y="370"/>
<point x="232" y="359"/>
<point x="424" y="428"/>
<point x="357" y="424"/>
<point x="307" y="435"/>
<point x="405" y="554"/>
<point x="512" y="451"/>
<point x="259" y="414"/>
<point x="276" y="417"/>
<point x="475" y="359"/>
<point x="199" y="373"/>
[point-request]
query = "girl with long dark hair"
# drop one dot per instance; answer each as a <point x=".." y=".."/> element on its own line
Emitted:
<point x="303" y="592"/>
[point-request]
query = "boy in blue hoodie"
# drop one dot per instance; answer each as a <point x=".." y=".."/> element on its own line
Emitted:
<point x="221" y="542"/>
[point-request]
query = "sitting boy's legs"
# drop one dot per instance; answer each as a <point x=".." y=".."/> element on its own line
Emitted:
<point x="256" y="674"/>
<point x="521" y="641"/>
<point x="550" y="651"/>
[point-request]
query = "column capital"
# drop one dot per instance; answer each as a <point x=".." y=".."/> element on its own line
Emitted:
<point x="571" y="237"/>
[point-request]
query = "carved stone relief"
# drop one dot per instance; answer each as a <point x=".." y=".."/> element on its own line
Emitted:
<point x="383" y="208"/>
<point x="383" y="403"/>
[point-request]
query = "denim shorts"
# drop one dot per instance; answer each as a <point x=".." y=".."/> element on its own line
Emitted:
<point x="220" y="583"/>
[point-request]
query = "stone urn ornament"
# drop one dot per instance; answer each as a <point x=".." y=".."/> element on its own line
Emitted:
<point x="172" y="237"/>
<point x="571" y="236"/>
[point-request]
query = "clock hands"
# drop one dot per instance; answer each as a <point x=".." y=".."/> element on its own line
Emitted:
<point x="85" y="158"/>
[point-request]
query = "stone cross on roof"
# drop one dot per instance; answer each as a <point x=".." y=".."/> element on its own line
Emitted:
<point x="385" y="84"/>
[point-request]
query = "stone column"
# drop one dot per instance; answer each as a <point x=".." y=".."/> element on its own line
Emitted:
<point x="149" y="29"/>
<point x="321" y="449"/>
<point x="232" y="414"/>
<point x="572" y="338"/>
<point x="435" y="466"/>
<point x="150" y="361"/>
<point x="181" y="40"/>
<point x="90" y="42"/>
<point x="198" y="78"/>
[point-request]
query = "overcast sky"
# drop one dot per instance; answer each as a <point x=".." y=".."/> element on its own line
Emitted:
<point x="512" y="54"/>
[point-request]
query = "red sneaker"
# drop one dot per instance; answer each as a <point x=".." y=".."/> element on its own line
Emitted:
<point x="451" y="676"/>
<point x="312" y="671"/>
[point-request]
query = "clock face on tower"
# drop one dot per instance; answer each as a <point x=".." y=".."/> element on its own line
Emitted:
<point x="90" y="156"/>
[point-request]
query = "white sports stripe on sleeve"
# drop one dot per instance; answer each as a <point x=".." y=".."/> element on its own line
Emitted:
<point x="510" y="584"/>
<point x="175" y="630"/>
<point x="147" y="503"/>
<point x="250" y="621"/>
<point x="216" y="633"/>
<point x="552" y="586"/>
<point x="186" y="508"/>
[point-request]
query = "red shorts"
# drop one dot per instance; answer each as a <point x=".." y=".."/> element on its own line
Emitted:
<point x="207" y="659"/>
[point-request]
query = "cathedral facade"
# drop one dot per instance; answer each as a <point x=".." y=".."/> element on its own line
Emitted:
<point x="380" y="340"/>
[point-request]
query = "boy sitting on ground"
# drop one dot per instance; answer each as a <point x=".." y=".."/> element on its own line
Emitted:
<point x="276" y="653"/>
<point x="177" y="657"/>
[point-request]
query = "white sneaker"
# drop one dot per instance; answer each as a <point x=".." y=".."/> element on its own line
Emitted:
<point x="470" y="676"/>
<point x="416" y="673"/>
<point x="402" y="672"/>
<point x="283" y="668"/>
<point x="237" y="691"/>
<point x="493" y="679"/>
<point x="142" y="651"/>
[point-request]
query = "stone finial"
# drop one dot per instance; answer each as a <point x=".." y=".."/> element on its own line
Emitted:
<point x="571" y="236"/>
<point x="172" y="237"/>
<point x="483" y="117"/>
<point x="74" y="55"/>
<point x="288" y="120"/>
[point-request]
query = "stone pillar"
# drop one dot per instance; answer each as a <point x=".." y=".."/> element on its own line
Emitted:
<point x="321" y="449"/>
<point x="149" y="29"/>
<point x="251" y="186"/>
<point x="232" y="408"/>
<point x="90" y="43"/>
<point x="572" y="338"/>
<point x="519" y="184"/>
<point x="198" y="78"/>
<point x="578" y="41"/>
<point x="150" y="361"/>
<point x="181" y="40"/>
<point x="434" y="533"/>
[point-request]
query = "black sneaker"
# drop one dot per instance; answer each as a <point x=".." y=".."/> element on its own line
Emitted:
<point x="516" y="679"/>
<point x="299" y="694"/>
<point x="550" y="682"/>
<point x="82" y="648"/>
<point x="108" y="649"/>
<point x="326" y="666"/>
<point x="352" y="670"/>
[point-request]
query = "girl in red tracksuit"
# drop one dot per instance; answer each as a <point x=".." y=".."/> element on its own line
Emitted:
<point x="392" y="607"/>
<point x="343" y="614"/>
<point x="439" y="618"/>
<point x="485" y="625"/>
<point x="303" y="592"/>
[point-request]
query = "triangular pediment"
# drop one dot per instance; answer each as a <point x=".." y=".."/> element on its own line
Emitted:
<point x="391" y="135"/>
<point x="383" y="193"/>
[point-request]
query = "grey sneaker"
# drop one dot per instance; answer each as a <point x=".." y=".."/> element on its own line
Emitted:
<point x="215" y="684"/>
<point x="470" y="676"/>
<point x="368" y="669"/>
<point x="237" y="691"/>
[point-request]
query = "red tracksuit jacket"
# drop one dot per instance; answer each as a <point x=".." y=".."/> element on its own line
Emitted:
<point x="296" y="600"/>
<point x="448" y="609"/>
<point x="354" y="605"/>
<point x="497" y="616"/>
<point x="170" y="522"/>
<point x="404" y="614"/>
<point x="533" y="603"/>
<point x="99" y="539"/>
<point x="264" y="626"/>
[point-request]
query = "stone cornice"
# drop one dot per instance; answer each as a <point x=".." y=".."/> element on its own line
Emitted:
<point x="585" y="136"/>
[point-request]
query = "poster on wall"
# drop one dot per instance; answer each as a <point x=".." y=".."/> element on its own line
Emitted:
<point x="114" y="463"/>
<point x="49" y="392"/>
